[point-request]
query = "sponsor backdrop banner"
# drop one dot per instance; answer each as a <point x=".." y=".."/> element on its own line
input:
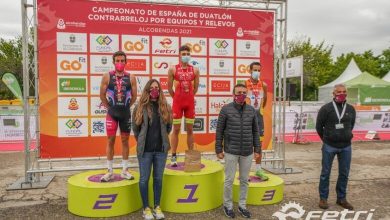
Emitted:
<point x="75" y="49"/>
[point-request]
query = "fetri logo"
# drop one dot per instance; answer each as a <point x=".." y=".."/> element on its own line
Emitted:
<point x="136" y="65"/>
<point x="136" y="46"/>
<point x="220" y="85"/>
<point x="221" y="44"/>
<point x="243" y="69"/>
<point x="72" y="65"/>
<point x="162" y="65"/>
<point x="166" y="43"/>
<point x="104" y="40"/>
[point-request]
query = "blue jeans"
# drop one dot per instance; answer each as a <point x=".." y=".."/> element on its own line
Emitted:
<point x="158" y="160"/>
<point x="344" y="157"/>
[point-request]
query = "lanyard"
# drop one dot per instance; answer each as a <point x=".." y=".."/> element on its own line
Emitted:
<point x="119" y="84"/>
<point x="255" y="90"/>
<point x="337" y="111"/>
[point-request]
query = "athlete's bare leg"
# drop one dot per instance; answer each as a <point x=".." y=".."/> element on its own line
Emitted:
<point x="190" y="136"/>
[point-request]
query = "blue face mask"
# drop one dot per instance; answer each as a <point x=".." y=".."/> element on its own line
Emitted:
<point x="185" y="59"/>
<point x="255" y="75"/>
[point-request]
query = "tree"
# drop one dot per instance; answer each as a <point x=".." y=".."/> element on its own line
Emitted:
<point x="10" y="61"/>
<point x="384" y="61"/>
<point x="317" y="65"/>
<point x="366" y="62"/>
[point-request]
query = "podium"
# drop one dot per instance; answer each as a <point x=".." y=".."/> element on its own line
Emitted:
<point x="260" y="192"/>
<point x="88" y="197"/>
<point x="185" y="192"/>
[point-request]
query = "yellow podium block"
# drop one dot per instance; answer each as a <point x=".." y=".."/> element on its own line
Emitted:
<point x="88" y="197"/>
<point x="261" y="192"/>
<point x="192" y="192"/>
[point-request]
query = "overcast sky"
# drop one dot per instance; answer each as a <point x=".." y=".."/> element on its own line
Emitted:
<point x="349" y="25"/>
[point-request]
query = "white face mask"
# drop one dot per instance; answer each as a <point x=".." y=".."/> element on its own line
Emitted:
<point x="255" y="75"/>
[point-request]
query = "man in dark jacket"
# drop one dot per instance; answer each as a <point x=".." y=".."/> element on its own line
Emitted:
<point x="335" y="122"/>
<point x="237" y="137"/>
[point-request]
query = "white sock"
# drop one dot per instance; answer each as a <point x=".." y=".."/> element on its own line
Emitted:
<point x="109" y="165"/>
<point x="258" y="167"/>
<point x="125" y="164"/>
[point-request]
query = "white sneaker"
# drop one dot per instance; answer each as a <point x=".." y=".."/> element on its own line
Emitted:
<point x="158" y="214"/>
<point x="127" y="175"/>
<point x="147" y="214"/>
<point x="173" y="161"/>
<point x="107" y="177"/>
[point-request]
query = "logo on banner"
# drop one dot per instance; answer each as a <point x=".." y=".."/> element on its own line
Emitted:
<point x="216" y="106"/>
<point x="101" y="110"/>
<point x="162" y="65"/>
<point x="72" y="38"/>
<point x="98" y="127"/>
<point x="73" y="85"/>
<point x="221" y="63"/>
<point x="136" y="46"/>
<point x="61" y="24"/>
<point x="164" y="83"/>
<point x="166" y="43"/>
<point x="201" y="86"/>
<point x="221" y="44"/>
<point x="240" y="33"/>
<point x="136" y="65"/>
<point x="241" y="81"/>
<point x="73" y="104"/>
<point x="73" y="124"/>
<point x="243" y="69"/>
<point x="72" y="65"/>
<point x="198" y="124"/>
<point x="213" y="124"/>
<point x="104" y="40"/>
<point x="196" y="47"/>
<point x="248" y="45"/>
<point x="104" y="60"/>
<point x="220" y="85"/>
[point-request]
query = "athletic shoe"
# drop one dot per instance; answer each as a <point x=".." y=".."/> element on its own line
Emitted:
<point x="107" y="177"/>
<point x="158" y="214"/>
<point x="229" y="212"/>
<point x="244" y="212"/>
<point x="173" y="161"/>
<point x="147" y="214"/>
<point x="127" y="175"/>
<point x="261" y="175"/>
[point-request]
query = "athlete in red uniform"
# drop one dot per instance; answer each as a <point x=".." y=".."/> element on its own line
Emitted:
<point x="118" y="91"/>
<point x="185" y="79"/>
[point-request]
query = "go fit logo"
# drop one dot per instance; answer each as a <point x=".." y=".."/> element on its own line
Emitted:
<point x="243" y="69"/>
<point x="72" y="65"/>
<point x="195" y="48"/>
<point x="136" y="46"/>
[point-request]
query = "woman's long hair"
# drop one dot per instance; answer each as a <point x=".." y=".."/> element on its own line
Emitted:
<point x="145" y="103"/>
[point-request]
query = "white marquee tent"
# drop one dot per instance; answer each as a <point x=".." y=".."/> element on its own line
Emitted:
<point x="387" y="77"/>
<point x="325" y="91"/>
